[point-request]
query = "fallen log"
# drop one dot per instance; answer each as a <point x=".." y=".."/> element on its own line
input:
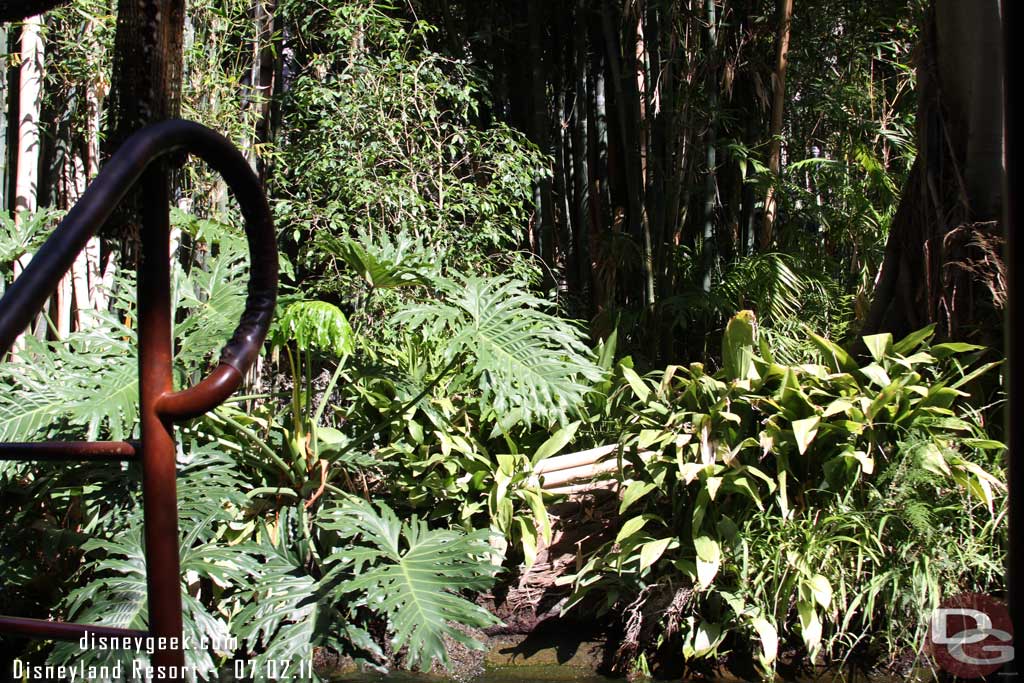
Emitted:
<point x="564" y="462"/>
<point x="587" y="471"/>
<point x="575" y="472"/>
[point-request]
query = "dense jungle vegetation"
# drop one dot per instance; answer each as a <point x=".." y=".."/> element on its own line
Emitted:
<point x="746" y="254"/>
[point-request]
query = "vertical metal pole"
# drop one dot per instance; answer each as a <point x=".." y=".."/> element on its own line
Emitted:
<point x="1014" y="361"/>
<point x="158" y="449"/>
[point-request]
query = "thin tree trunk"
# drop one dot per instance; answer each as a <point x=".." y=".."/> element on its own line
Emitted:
<point x="600" y="195"/>
<point x="98" y="271"/>
<point x="30" y="98"/>
<point x="146" y="88"/>
<point x="708" y="245"/>
<point x="3" y="128"/>
<point x="775" y="130"/>
<point x="646" y="88"/>
<point x="539" y="129"/>
<point x="262" y="77"/>
<point x="86" y="271"/>
<point x="580" y="151"/>
<point x="26" y="197"/>
<point x="563" y="250"/>
<point x="679" y="191"/>
<point x="264" y="80"/>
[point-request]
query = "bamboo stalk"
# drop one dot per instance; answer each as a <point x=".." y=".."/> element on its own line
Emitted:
<point x="588" y="471"/>
<point x="558" y="473"/>
<point x="562" y="462"/>
<point x="27" y="167"/>
<point x="608" y="485"/>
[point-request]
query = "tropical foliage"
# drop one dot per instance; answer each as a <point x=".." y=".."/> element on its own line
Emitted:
<point x="510" y="232"/>
<point x="800" y="503"/>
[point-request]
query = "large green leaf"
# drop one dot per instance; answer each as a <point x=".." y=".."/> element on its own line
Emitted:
<point x="412" y="575"/>
<point x="117" y="598"/>
<point x="520" y="356"/>
<point x="738" y="345"/>
<point x="382" y="263"/>
<point x="280" y="617"/>
<point x="315" y="325"/>
<point x="97" y="392"/>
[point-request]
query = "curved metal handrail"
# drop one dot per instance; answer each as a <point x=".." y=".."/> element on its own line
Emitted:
<point x="159" y="404"/>
<point x="26" y="296"/>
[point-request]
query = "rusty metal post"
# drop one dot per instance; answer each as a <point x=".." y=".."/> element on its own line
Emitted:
<point x="159" y="489"/>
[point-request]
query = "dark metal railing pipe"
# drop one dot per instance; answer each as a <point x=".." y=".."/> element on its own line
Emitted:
<point x="70" y="450"/>
<point x="25" y="297"/>
<point x="41" y="628"/>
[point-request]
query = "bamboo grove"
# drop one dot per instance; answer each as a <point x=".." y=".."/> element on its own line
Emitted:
<point x="685" y="143"/>
<point x="687" y="138"/>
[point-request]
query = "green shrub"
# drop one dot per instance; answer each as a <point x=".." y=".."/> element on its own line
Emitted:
<point x="819" y="504"/>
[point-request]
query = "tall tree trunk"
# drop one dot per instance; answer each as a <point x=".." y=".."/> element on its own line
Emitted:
<point x="87" y="271"/>
<point x="580" y="156"/>
<point x="58" y="175"/>
<point x="646" y="60"/>
<point x="602" y="265"/>
<point x="539" y="130"/>
<point x="943" y="259"/>
<point x="146" y="88"/>
<point x="30" y="92"/>
<point x="30" y="95"/>
<point x="708" y="244"/>
<point x="778" y="109"/>
<point x="263" y="80"/>
<point x="3" y="126"/>
<point x="564" y="251"/>
<point x="661" y="109"/>
<point x="679" y="192"/>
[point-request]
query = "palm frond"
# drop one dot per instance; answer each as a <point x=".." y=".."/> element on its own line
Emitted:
<point x="768" y="282"/>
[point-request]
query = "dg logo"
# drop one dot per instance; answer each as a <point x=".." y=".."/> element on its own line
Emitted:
<point x="971" y="636"/>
